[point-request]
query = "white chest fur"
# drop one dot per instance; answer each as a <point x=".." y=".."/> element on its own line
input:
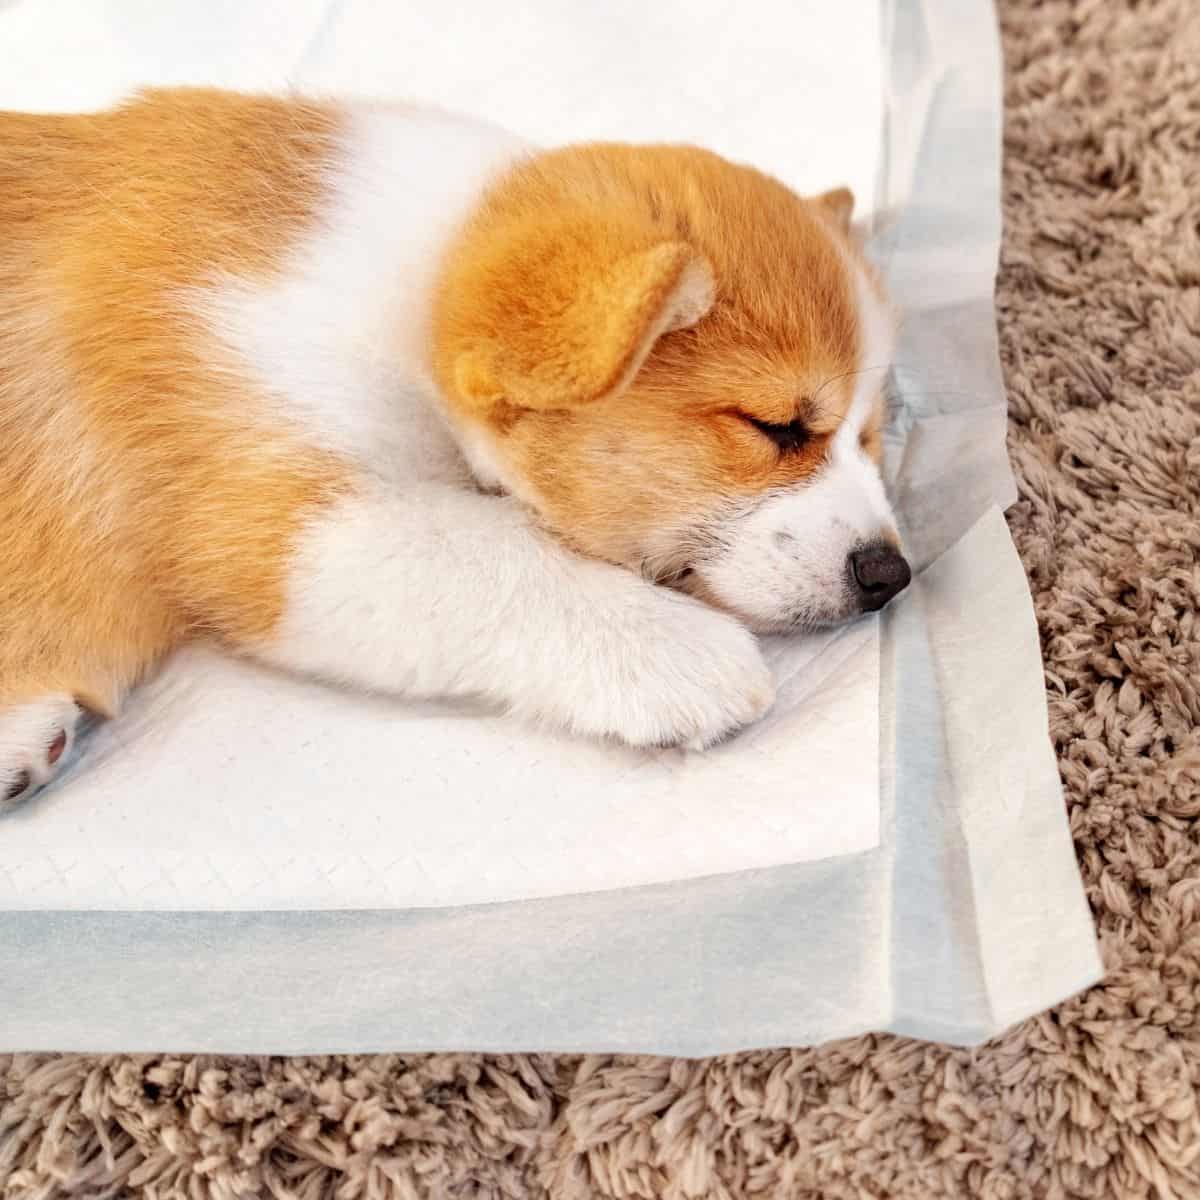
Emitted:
<point x="338" y="342"/>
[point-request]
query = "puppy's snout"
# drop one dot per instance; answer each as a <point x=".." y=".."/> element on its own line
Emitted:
<point x="879" y="572"/>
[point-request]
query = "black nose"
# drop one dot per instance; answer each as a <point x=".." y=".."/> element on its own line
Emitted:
<point x="879" y="573"/>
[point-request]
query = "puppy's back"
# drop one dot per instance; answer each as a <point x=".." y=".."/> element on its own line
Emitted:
<point x="129" y="462"/>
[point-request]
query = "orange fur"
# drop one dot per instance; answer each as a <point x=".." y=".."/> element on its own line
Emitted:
<point x="139" y="503"/>
<point x="838" y="205"/>
<point x="561" y="259"/>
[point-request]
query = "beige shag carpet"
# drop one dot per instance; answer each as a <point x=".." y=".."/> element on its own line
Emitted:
<point x="1100" y="315"/>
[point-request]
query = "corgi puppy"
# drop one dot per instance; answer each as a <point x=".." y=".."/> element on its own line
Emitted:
<point x="387" y="397"/>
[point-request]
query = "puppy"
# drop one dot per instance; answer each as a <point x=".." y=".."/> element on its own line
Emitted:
<point x="384" y="396"/>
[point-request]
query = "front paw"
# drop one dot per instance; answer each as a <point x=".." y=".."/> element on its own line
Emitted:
<point x="669" y="672"/>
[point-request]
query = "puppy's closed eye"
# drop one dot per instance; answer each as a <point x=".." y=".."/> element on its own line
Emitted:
<point x="788" y="437"/>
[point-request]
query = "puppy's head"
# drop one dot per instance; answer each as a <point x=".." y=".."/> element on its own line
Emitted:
<point x="677" y="362"/>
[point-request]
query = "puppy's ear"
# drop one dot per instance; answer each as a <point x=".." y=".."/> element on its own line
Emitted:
<point x="838" y="205"/>
<point x="562" y="311"/>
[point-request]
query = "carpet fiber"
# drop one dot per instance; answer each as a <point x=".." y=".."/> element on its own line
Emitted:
<point x="1100" y="317"/>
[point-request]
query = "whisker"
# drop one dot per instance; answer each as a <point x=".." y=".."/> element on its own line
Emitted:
<point x="847" y="375"/>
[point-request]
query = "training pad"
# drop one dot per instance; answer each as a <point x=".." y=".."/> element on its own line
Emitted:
<point x="887" y="849"/>
<point x="293" y="795"/>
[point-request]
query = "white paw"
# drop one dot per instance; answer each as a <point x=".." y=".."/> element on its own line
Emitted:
<point x="35" y="740"/>
<point x="668" y="671"/>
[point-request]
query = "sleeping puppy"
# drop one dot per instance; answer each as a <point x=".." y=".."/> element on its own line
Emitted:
<point x="386" y="397"/>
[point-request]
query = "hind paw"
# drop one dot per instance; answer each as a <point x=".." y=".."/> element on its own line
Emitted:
<point x="35" y="739"/>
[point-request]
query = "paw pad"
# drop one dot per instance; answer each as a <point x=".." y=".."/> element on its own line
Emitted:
<point x="55" y="752"/>
<point x="17" y="788"/>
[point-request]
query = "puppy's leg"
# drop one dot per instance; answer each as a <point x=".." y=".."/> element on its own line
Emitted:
<point x="36" y="738"/>
<point x="52" y="672"/>
<point x="442" y="592"/>
<point x="39" y="722"/>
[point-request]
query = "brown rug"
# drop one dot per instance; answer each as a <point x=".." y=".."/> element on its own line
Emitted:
<point x="1100" y="316"/>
